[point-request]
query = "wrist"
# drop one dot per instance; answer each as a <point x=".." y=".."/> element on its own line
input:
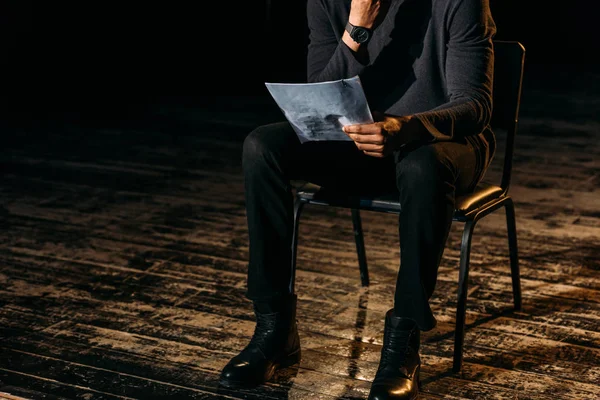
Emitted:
<point x="354" y="46"/>
<point x="405" y="129"/>
<point x="358" y="34"/>
<point x="357" y="21"/>
<point x="416" y="129"/>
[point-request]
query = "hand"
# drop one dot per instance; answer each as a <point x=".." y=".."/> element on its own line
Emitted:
<point x="387" y="134"/>
<point x="367" y="13"/>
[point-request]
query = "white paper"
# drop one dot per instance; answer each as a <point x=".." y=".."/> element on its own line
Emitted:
<point x="318" y="111"/>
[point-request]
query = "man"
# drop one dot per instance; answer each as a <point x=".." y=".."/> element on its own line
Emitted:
<point x="426" y="67"/>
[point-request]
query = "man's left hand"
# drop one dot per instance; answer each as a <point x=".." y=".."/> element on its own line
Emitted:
<point x="387" y="134"/>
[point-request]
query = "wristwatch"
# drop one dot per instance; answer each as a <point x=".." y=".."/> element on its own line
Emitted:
<point x="359" y="34"/>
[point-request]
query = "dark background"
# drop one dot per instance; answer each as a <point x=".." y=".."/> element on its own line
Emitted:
<point x="90" y="55"/>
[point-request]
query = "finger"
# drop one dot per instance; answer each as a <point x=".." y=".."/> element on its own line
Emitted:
<point x="373" y="154"/>
<point x="367" y="138"/>
<point x="370" y="147"/>
<point x="362" y="129"/>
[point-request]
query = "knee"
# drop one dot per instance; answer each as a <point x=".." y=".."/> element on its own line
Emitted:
<point x="269" y="146"/>
<point x="254" y="149"/>
<point x="422" y="171"/>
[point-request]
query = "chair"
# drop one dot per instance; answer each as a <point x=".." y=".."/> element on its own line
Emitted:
<point x="470" y="208"/>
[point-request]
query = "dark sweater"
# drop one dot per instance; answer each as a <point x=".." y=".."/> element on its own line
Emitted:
<point x="429" y="58"/>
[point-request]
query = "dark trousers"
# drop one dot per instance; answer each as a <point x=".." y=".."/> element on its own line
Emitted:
<point x="427" y="177"/>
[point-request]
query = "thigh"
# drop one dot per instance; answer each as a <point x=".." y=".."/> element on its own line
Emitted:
<point x="341" y="166"/>
<point x="456" y="162"/>
<point x="337" y="164"/>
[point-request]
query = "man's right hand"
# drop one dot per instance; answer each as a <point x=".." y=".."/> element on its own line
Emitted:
<point x="367" y="12"/>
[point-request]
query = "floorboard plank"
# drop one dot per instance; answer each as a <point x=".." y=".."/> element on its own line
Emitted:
<point x="124" y="253"/>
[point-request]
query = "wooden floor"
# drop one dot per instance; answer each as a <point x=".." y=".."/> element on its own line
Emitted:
<point x="123" y="256"/>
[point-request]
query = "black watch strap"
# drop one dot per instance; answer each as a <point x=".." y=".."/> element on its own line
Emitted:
<point x="359" y="34"/>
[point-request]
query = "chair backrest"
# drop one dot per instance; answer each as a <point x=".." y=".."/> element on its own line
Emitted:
<point x="508" y="80"/>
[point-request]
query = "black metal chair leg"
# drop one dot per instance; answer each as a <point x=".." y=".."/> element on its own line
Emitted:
<point x="463" y="282"/>
<point x="514" y="255"/>
<point x="298" y="205"/>
<point x="360" y="247"/>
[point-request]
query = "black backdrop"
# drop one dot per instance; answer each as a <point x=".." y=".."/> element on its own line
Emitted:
<point x="86" y="54"/>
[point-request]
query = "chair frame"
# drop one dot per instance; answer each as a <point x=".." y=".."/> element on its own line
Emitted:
<point x="509" y="59"/>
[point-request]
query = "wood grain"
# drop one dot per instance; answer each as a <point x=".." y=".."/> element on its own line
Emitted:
<point x="123" y="256"/>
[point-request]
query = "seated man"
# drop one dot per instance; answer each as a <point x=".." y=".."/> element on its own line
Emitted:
<point x="426" y="67"/>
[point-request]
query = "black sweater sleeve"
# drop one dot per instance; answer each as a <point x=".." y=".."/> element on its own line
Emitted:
<point x="469" y="74"/>
<point x="328" y="56"/>
<point x="467" y="29"/>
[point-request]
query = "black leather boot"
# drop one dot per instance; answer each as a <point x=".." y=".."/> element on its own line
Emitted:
<point x="274" y="345"/>
<point x="398" y="374"/>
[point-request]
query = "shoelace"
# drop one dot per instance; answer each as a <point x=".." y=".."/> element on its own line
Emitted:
<point x="396" y="345"/>
<point x="265" y="325"/>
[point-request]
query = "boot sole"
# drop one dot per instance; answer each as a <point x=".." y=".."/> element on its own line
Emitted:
<point x="288" y="361"/>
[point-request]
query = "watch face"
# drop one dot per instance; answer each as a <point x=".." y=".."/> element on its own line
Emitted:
<point x="361" y="35"/>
